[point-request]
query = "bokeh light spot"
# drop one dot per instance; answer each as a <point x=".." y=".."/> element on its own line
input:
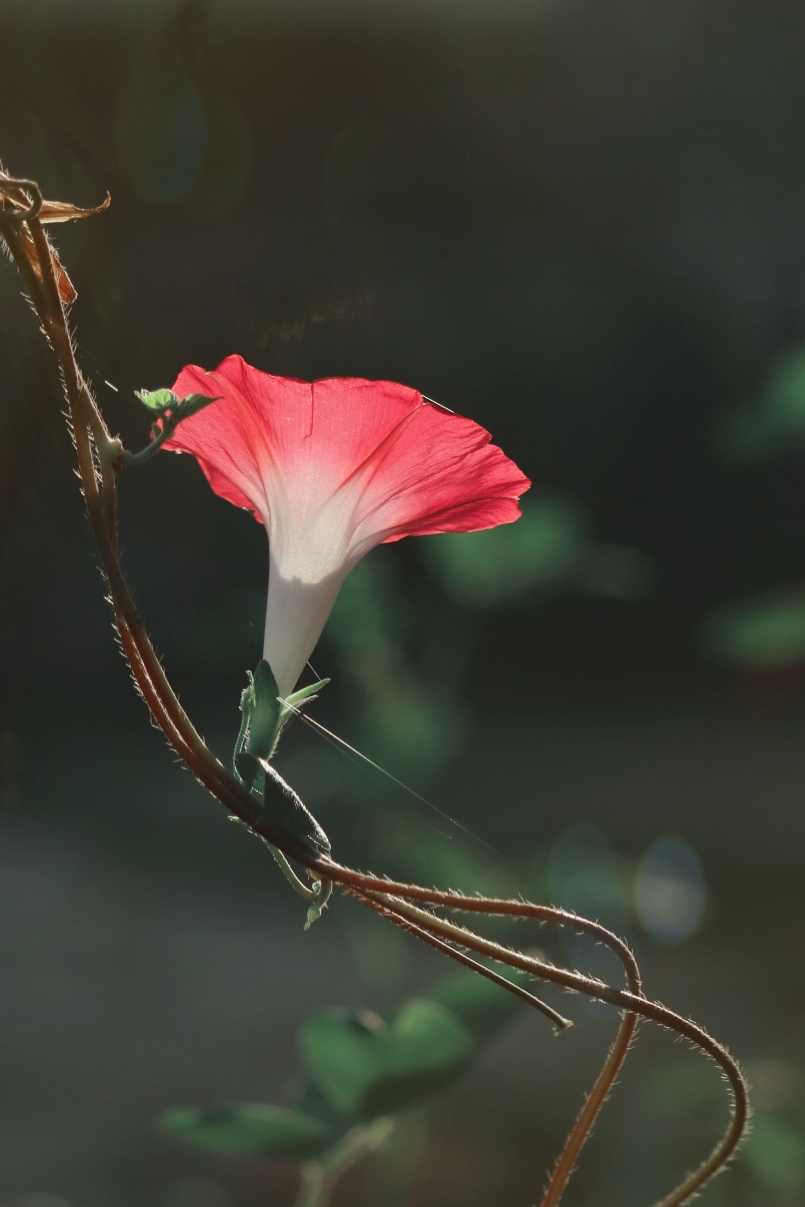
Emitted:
<point x="670" y="891"/>
<point x="583" y="876"/>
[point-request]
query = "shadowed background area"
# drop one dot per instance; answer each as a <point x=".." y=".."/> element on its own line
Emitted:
<point x="580" y="225"/>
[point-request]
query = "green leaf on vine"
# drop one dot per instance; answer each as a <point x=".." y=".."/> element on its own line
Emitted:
<point x="368" y="1069"/>
<point x="164" y="404"/>
<point x="157" y="400"/>
<point x="251" y="1130"/>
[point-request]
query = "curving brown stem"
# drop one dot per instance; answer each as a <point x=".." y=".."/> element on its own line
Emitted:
<point x="597" y="1097"/>
<point x="402" y="912"/>
<point x="582" y="1128"/>
<point x="99" y="458"/>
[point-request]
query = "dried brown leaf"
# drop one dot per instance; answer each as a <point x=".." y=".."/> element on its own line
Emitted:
<point x="16" y="198"/>
<point x="67" y="291"/>
<point x="62" y="211"/>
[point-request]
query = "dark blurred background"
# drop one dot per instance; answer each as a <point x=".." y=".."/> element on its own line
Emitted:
<point x="580" y="224"/>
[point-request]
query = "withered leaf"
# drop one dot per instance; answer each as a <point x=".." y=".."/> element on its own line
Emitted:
<point x="16" y="198"/>
<point x="67" y="291"/>
<point x="62" y="211"/>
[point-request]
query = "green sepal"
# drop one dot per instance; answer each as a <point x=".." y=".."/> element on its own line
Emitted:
<point x="259" y="731"/>
<point x="265" y="716"/>
<point x="292" y="705"/>
<point x="251" y="1130"/>
<point x="366" y="1068"/>
<point x="167" y="412"/>
<point x="263" y="712"/>
<point x="260" y="707"/>
<point x="305" y="693"/>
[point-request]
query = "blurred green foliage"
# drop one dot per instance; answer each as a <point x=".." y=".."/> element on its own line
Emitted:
<point x="366" y="1068"/>
<point x="451" y="858"/>
<point x="773" y="1155"/>
<point x="760" y="633"/>
<point x="251" y="1130"/>
<point x="408" y="658"/>
<point x="680" y="1088"/>
<point x="776" y="419"/>
<point x="775" y="1152"/>
<point x="484" y="569"/>
<point x="357" y="1070"/>
<point x="411" y="720"/>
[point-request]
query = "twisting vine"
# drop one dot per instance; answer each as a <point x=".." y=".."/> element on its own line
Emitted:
<point x="412" y="907"/>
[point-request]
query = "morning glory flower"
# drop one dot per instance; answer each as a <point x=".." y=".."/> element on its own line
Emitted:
<point x="333" y="468"/>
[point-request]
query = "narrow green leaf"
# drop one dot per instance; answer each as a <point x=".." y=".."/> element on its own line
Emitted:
<point x="292" y="706"/>
<point x="305" y="693"/>
<point x="251" y="1130"/>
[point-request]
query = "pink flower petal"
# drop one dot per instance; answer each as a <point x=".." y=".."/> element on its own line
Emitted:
<point x="333" y="468"/>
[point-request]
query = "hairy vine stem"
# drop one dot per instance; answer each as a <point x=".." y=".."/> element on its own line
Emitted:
<point x="100" y="458"/>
